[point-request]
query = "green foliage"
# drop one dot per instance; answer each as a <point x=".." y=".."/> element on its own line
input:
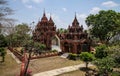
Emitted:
<point x="72" y="56"/>
<point x="115" y="74"/>
<point x="104" y="65"/>
<point x="3" y="41"/>
<point x="86" y="57"/>
<point x="22" y="28"/>
<point x="114" y="52"/>
<point x="36" y="46"/>
<point x="2" y="53"/>
<point x="20" y="35"/>
<point x="54" y="50"/>
<point x="62" y="30"/>
<point x="104" y="25"/>
<point x="101" y="51"/>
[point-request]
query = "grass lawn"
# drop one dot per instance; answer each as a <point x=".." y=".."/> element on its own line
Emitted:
<point x="11" y="68"/>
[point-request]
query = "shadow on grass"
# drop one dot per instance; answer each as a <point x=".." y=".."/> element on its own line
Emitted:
<point x="86" y="69"/>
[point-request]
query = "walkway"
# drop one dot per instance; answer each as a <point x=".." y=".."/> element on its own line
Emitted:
<point x="60" y="70"/>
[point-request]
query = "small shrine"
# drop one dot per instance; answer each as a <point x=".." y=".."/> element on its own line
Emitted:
<point x="75" y="40"/>
<point x="44" y="31"/>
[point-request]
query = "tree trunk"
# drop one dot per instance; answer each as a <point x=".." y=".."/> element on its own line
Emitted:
<point x="86" y="65"/>
<point x="3" y="58"/>
<point x="26" y="67"/>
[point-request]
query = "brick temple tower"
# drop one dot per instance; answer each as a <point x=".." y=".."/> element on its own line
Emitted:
<point x="75" y="40"/>
<point x="44" y="31"/>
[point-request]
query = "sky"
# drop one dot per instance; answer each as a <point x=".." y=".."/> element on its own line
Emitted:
<point x="62" y="11"/>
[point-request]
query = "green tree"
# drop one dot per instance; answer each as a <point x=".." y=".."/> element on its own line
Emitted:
<point x="104" y="65"/>
<point x="86" y="57"/>
<point x="3" y="41"/>
<point x="2" y="53"/>
<point x="3" y="44"/>
<point x="104" y="25"/>
<point x="4" y="10"/>
<point x="20" y="35"/>
<point x="62" y="30"/>
<point x="101" y="51"/>
<point x="114" y="52"/>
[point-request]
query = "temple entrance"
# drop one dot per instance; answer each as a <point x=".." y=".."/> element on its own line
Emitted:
<point x="56" y="43"/>
<point x="68" y="47"/>
<point x="78" y="49"/>
<point x="85" y="47"/>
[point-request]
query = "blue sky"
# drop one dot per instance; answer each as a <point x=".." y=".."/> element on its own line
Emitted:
<point x="62" y="11"/>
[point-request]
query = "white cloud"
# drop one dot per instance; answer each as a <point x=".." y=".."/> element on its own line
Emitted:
<point x="25" y="1"/>
<point x="109" y="4"/>
<point x="29" y="6"/>
<point x="81" y="18"/>
<point x="58" y="21"/>
<point x="64" y="9"/>
<point x="37" y="1"/>
<point x="95" y="10"/>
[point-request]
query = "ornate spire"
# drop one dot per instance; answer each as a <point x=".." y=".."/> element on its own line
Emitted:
<point x="75" y="21"/>
<point x="44" y="18"/>
<point x="44" y="13"/>
<point x="51" y="20"/>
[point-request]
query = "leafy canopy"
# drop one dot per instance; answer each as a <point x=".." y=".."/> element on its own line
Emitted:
<point x="87" y="57"/>
<point x="104" y="25"/>
<point x="101" y="51"/>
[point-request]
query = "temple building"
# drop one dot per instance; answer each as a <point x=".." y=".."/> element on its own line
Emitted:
<point x="75" y="40"/>
<point x="44" y="31"/>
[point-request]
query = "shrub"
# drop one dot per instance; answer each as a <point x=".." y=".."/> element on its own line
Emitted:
<point x="72" y="56"/>
<point x="101" y="51"/>
<point x="54" y="50"/>
<point x="105" y="65"/>
<point x="86" y="57"/>
<point x="2" y="53"/>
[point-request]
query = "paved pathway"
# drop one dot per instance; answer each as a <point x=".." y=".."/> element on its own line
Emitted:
<point x="60" y="70"/>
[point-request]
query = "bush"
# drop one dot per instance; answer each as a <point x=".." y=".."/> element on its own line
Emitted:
<point x="72" y="56"/>
<point x="101" y="51"/>
<point x="114" y="52"/>
<point x="2" y="53"/>
<point x="54" y="50"/>
<point x="86" y="57"/>
<point x="104" y="65"/>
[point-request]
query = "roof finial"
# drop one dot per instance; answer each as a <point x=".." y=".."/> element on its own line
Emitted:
<point x="50" y="15"/>
<point x="75" y="14"/>
<point x="44" y="12"/>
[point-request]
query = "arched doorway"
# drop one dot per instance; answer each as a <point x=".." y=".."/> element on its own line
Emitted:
<point x="68" y="47"/>
<point x="56" y="43"/>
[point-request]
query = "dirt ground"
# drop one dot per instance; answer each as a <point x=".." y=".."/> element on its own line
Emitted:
<point x="11" y="68"/>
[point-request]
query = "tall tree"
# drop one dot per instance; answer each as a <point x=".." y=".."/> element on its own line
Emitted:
<point x="5" y="21"/>
<point x="19" y="35"/>
<point x="4" y="10"/>
<point x="104" y="25"/>
<point x="3" y="44"/>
